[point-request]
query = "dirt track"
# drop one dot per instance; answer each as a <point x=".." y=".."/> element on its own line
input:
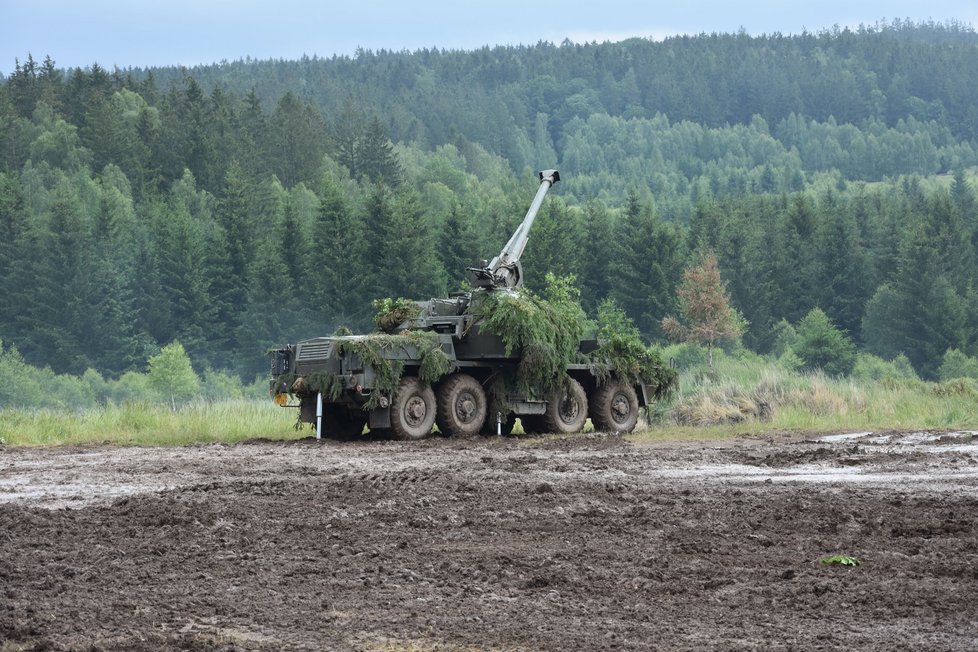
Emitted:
<point x="571" y="544"/>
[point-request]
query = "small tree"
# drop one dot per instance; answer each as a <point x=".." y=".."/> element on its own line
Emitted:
<point x="171" y="375"/>
<point x="957" y="365"/>
<point x="704" y="303"/>
<point x="822" y="346"/>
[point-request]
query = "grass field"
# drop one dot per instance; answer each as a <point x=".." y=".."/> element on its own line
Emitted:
<point x="740" y="397"/>
<point x="148" y="424"/>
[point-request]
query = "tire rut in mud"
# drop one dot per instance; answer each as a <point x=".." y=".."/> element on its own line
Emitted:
<point x="577" y="543"/>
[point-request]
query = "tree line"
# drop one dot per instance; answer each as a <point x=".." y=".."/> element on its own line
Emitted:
<point x="138" y="208"/>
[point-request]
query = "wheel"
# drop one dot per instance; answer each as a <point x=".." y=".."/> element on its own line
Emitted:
<point x="614" y="407"/>
<point x="489" y="425"/>
<point x="412" y="409"/>
<point x="461" y="406"/>
<point x="566" y="409"/>
<point x="342" y="423"/>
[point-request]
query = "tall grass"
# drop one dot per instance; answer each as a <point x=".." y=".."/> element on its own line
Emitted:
<point x="150" y="424"/>
<point x="751" y="394"/>
<point x="746" y="394"/>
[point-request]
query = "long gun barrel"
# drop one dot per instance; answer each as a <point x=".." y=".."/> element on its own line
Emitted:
<point x="505" y="269"/>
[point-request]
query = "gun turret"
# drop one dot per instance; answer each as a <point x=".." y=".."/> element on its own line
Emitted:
<point x="505" y="270"/>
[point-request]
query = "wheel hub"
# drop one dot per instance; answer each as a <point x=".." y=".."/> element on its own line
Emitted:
<point x="415" y="410"/>
<point x="465" y="408"/>
<point x="569" y="409"/>
<point x="619" y="408"/>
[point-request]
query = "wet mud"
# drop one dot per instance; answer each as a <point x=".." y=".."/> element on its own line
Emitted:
<point x="583" y="543"/>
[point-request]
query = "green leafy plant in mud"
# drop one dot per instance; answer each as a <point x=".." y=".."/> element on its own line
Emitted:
<point x="391" y="313"/>
<point x="839" y="560"/>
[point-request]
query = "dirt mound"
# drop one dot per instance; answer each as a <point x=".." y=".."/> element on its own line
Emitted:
<point x="584" y="543"/>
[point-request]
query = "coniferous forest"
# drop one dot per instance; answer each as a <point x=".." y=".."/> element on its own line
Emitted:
<point x="242" y="205"/>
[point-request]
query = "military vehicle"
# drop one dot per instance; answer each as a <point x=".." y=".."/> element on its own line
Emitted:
<point x="386" y="382"/>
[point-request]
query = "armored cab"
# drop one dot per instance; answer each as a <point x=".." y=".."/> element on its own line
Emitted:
<point x="440" y="363"/>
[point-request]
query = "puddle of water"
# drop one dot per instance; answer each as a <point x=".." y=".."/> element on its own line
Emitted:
<point x="67" y="495"/>
<point x="844" y="437"/>
<point x="910" y="439"/>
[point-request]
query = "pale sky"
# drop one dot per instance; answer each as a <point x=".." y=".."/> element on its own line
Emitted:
<point x="142" y="33"/>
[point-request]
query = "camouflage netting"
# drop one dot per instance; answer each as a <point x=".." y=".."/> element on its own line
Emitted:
<point x="545" y="335"/>
<point x="374" y="350"/>
<point x="391" y="313"/>
<point x="629" y="361"/>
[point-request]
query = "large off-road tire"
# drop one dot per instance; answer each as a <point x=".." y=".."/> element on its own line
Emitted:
<point x="341" y="423"/>
<point x="614" y="407"/>
<point x="566" y="409"/>
<point x="461" y="406"/>
<point x="412" y="409"/>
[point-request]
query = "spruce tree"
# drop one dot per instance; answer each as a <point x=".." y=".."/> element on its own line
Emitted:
<point x="378" y="161"/>
<point x="647" y="265"/>
<point x="336" y="261"/>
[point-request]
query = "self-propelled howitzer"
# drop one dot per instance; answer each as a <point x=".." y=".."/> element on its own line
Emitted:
<point x="448" y="361"/>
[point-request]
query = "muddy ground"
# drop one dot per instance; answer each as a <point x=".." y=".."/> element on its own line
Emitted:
<point x="580" y="543"/>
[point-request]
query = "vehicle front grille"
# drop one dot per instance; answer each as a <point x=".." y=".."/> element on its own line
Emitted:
<point x="318" y="350"/>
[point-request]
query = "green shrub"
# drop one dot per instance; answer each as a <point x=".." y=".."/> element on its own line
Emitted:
<point x="822" y="346"/>
<point x="957" y="365"/>
<point x="688" y="355"/>
<point x="221" y="386"/>
<point x="132" y="387"/>
<point x="872" y="367"/>
<point x="20" y="384"/>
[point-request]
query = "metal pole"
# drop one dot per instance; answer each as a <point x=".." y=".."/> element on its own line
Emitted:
<point x="319" y="415"/>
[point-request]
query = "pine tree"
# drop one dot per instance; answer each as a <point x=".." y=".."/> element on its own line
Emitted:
<point x="647" y="265"/>
<point x="821" y="345"/>
<point x="52" y="311"/>
<point x="401" y="246"/>
<point x="920" y="314"/>
<point x="232" y="248"/>
<point x="181" y="242"/>
<point x="842" y="276"/>
<point x="555" y="244"/>
<point x="458" y="246"/>
<point x="13" y="229"/>
<point x="346" y="135"/>
<point x="599" y="238"/>
<point x="296" y="132"/>
<point x="377" y="159"/>
<point x="798" y="282"/>
<point x="336" y="261"/>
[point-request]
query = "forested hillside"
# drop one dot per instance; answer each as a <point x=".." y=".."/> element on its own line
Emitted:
<point x="241" y="205"/>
